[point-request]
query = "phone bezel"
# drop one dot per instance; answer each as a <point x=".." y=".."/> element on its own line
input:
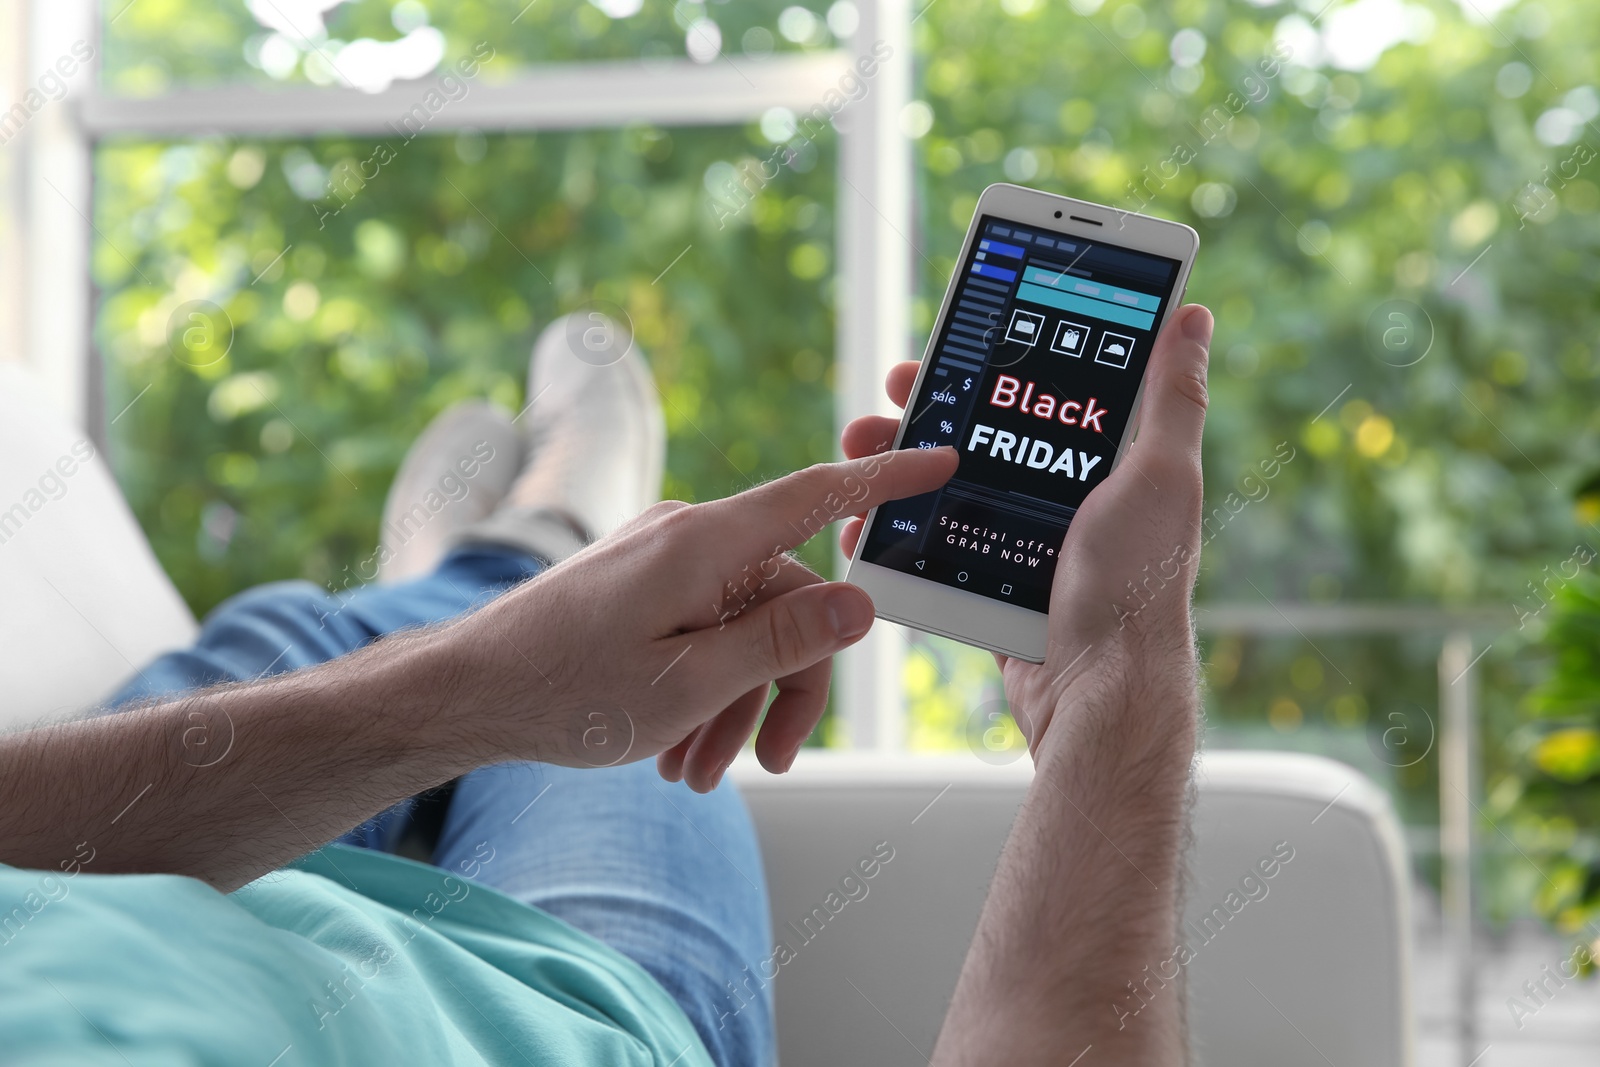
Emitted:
<point x="956" y="613"/>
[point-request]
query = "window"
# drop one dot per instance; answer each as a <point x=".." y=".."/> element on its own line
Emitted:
<point x="374" y="211"/>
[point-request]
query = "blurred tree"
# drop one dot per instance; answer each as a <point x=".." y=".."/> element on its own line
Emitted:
<point x="1548" y="795"/>
<point x="351" y="330"/>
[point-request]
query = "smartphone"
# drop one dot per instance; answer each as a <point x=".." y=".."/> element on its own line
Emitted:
<point x="1034" y="372"/>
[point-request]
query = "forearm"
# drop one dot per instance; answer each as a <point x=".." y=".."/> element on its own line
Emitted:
<point x="1087" y="892"/>
<point x="229" y="783"/>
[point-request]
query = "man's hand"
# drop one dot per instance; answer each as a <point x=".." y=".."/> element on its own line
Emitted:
<point x="1120" y="600"/>
<point x="665" y="638"/>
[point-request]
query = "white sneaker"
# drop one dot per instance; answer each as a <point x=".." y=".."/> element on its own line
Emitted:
<point x="455" y="474"/>
<point x="595" y="441"/>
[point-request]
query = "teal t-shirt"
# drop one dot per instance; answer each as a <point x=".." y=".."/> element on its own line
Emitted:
<point x="348" y="957"/>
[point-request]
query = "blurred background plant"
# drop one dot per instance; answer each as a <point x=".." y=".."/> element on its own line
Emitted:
<point x="1419" y="155"/>
<point x="1549" y="795"/>
<point x="429" y="286"/>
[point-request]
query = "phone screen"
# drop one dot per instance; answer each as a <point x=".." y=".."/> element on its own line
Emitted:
<point x="1033" y="381"/>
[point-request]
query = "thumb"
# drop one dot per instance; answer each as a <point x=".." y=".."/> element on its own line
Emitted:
<point x="786" y="634"/>
<point x="1174" y="408"/>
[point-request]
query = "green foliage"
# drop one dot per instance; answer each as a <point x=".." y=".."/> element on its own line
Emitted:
<point x="1548" y="796"/>
<point x="158" y="45"/>
<point x="1338" y="191"/>
<point x="351" y="330"/>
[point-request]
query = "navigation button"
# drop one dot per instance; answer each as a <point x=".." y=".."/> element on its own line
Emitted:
<point x="921" y="563"/>
<point x="1071" y="338"/>
<point x="1025" y="327"/>
<point x="1115" y="350"/>
<point x="961" y="577"/>
<point x="1005" y="590"/>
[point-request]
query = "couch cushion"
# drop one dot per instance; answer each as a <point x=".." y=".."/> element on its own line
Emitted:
<point x="1308" y="966"/>
<point x="85" y="599"/>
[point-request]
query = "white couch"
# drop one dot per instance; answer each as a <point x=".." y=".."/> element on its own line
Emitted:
<point x="1314" y="972"/>
<point x="85" y="600"/>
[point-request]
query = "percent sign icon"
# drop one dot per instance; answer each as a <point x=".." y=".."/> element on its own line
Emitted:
<point x="947" y="426"/>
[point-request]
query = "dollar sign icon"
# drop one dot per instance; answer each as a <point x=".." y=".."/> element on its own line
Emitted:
<point x="967" y="386"/>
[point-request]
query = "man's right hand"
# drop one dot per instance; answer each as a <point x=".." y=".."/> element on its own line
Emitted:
<point x="665" y="638"/>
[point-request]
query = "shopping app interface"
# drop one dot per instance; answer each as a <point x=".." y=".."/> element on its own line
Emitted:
<point x="1033" y="380"/>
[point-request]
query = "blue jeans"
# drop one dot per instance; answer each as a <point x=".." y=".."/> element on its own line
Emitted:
<point x="668" y="877"/>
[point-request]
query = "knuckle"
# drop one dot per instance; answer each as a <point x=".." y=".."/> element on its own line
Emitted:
<point x="808" y="481"/>
<point x="675" y="519"/>
<point x="782" y="638"/>
<point x="665" y="528"/>
<point x="825" y="475"/>
<point x="650" y="516"/>
<point x="804" y="488"/>
<point x="1190" y="383"/>
<point x="662" y="508"/>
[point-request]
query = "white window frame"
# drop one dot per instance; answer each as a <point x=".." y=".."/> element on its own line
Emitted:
<point x="46" y="291"/>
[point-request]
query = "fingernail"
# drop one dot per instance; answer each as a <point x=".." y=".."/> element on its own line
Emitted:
<point x="849" y="613"/>
<point x="1197" y="324"/>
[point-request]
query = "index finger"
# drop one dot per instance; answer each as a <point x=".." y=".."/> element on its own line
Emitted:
<point x="789" y="511"/>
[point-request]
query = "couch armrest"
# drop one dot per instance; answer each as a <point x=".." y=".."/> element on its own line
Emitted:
<point x="1312" y="962"/>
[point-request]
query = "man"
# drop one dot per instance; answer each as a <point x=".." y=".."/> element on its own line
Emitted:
<point x="169" y="902"/>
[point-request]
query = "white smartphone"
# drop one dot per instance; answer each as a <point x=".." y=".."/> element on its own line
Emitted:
<point x="1034" y="372"/>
